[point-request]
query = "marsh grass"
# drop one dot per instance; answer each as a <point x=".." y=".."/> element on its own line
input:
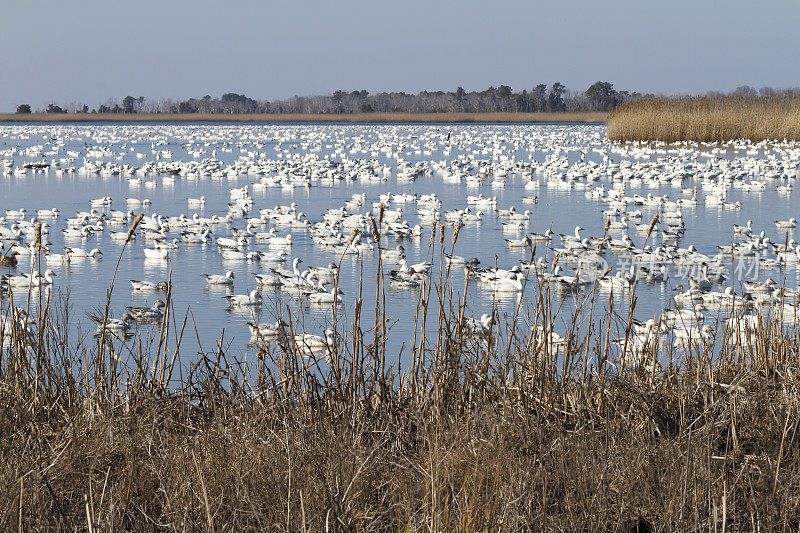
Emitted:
<point x="578" y="117"/>
<point x="705" y="119"/>
<point x="503" y="432"/>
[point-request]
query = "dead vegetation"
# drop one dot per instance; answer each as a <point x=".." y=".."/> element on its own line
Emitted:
<point x="705" y="119"/>
<point x="497" y="431"/>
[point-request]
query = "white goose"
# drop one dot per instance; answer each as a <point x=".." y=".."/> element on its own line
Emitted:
<point x="36" y="279"/>
<point x="220" y="279"/>
<point x="196" y="202"/>
<point x="115" y="326"/>
<point x="309" y="344"/>
<point x="149" y="285"/>
<point x="281" y="241"/>
<point x="326" y="297"/>
<point x="155" y="253"/>
<point x="253" y="299"/>
<point x="80" y="252"/>
<point x="262" y="331"/>
<point x="508" y="285"/>
<point x="786" y="224"/>
<point x="743" y="230"/>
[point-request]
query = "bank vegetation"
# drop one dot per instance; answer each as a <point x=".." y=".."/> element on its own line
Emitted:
<point x="707" y="119"/>
<point x="491" y="428"/>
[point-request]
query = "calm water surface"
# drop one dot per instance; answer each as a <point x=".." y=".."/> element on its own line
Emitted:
<point x="559" y="208"/>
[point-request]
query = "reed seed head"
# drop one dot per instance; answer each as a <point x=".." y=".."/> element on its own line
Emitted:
<point x="652" y="225"/>
<point x="375" y="233"/>
<point x="132" y="229"/>
<point x="37" y="236"/>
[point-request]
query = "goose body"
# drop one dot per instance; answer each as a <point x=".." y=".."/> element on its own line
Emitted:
<point x="220" y="279"/>
<point x="149" y="285"/>
<point x="253" y="299"/>
<point x="148" y="314"/>
<point x="325" y="297"/>
<point x="155" y="253"/>
<point x="786" y="224"/>
<point x="265" y="331"/>
<point x="9" y="259"/>
<point x="115" y="326"/>
<point x="80" y="252"/>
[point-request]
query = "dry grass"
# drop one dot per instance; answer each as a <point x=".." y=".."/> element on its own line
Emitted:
<point x="583" y="117"/>
<point x="705" y="119"/>
<point x="499" y="434"/>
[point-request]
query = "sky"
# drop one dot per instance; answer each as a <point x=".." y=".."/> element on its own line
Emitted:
<point x="92" y="50"/>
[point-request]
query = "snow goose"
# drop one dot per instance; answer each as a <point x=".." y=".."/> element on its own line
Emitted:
<point x="220" y="279"/>
<point x="671" y="317"/>
<point x="149" y="285"/>
<point x="281" y="241"/>
<point x="326" y="297"/>
<point x="267" y="280"/>
<point x="690" y="337"/>
<point x="786" y="224"/>
<point x="265" y="331"/>
<point x="36" y="279"/>
<point x="518" y="243"/>
<point x="418" y="268"/>
<point x="393" y="254"/>
<point x="508" y="285"/>
<point x="196" y="202"/>
<point x="46" y="279"/>
<point x="80" y="252"/>
<point x="77" y="233"/>
<point x="621" y="280"/>
<point x="309" y="344"/>
<point x="235" y="255"/>
<point x="232" y="243"/>
<point x="9" y="259"/>
<point x="253" y="299"/>
<point x="114" y="326"/>
<point x="477" y="328"/>
<point x="405" y="279"/>
<point x="743" y="230"/>
<point x="156" y="253"/>
<point x="147" y="314"/>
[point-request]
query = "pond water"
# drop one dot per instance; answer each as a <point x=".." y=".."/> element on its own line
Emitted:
<point x="320" y="167"/>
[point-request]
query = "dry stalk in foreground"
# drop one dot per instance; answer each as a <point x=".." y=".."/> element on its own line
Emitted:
<point x="496" y="429"/>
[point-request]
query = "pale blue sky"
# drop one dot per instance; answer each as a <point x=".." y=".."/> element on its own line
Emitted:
<point x="92" y="50"/>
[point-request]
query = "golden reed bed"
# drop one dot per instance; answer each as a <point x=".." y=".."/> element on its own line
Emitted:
<point x="581" y="117"/>
<point x="504" y="432"/>
<point x="706" y="119"/>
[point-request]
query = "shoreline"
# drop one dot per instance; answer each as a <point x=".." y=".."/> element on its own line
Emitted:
<point x="356" y="118"/>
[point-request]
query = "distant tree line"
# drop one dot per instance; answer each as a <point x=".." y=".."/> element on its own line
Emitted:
<point x="600" y="96"/>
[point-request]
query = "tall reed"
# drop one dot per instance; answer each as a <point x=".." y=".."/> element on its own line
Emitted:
<point x="496" y="429"/>
<point x="705" y="119"/>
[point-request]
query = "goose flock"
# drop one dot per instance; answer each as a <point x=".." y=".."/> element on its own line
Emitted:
<point x="260" y="211"/>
